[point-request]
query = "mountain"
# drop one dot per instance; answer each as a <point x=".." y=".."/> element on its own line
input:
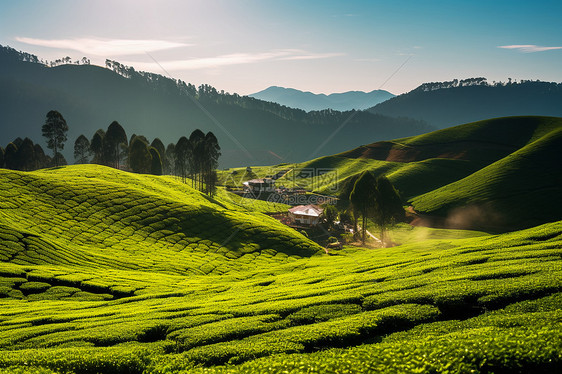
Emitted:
<point x="499" y="174"/>
<point x="445" y="104"/>
<point x="250" y="131"/>
<point x="308" y="101"/>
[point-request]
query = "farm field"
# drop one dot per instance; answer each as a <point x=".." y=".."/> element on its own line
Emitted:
<point x="104" y="271"/>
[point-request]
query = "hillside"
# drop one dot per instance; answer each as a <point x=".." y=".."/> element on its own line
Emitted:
<point x="505" y="172"/>
<point x="249" y="131"/>
<point x="96" y="217"/>
<point x="79" y="297"/>
<point x="446" y="104"/>
<point x="308" y="101"/>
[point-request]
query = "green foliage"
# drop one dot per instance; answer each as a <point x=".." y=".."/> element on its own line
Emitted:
<point x="103" y="271"/>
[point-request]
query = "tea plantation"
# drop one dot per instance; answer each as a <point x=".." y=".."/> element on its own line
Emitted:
<point x="104" y="271"/>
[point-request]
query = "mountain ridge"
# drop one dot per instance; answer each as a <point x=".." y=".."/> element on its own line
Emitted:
<point x="309" y="101"/>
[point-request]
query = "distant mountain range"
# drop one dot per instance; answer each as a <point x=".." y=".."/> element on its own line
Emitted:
<point x="444" y="104"/>
<point x="308" y="101"/>
<point x="250" y="131"/>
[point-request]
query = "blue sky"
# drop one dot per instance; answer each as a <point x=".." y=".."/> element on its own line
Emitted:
<point x="320" y="46"/>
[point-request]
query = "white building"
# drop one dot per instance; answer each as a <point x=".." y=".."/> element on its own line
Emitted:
<point x="306" y="214"/>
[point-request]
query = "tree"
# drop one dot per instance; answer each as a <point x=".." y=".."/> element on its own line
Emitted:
<point x="156" y="162"/>
<point x="82" y="150"/>
<point x="363" y="199"/>
<point x="197" y="155"/>
<point x="330" y="214"/>
<point x="182" y="153"/>
<point x="157" y="143"/>
<point x="171" y="157"/>
<point x="389" y="209"/>
<point x="210" y="162"/>
<point x="54" y="130"/>
<point x="10" y="156"/>
<point x="41" y="160"/>
<point x="139" y="156"/>
<point x="58" y="160"/>
<point x="1" y="157"/>
<point x="114" y="137"/>
<point x="26" y="155"/>
<point x="96" y="147"/>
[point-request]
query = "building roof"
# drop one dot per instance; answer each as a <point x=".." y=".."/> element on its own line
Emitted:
<point x="259" y="181"/>
<point x="307" y="210"/>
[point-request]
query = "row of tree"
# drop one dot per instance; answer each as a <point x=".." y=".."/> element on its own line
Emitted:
<point x="195" y="157"/>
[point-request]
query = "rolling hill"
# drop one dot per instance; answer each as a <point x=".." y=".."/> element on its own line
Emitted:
<point x="308" y="101"/>
<point x="109" y="272"/>
<point x="250" y="131"/>
<point x="445" y="104"/>
<point x="498" y="174"/>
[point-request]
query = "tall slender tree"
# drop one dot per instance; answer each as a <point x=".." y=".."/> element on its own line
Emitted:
<point x="197" y="143"/>
<point x="171" y="157"/>
<point x="96" y="146"/>
<point x="157" y="143"/>
<point x="114" y="137"/>
<point x="26" y="155"/>
<point x="10" y="156"/>
<point x="54" y="130"/>
<point x="82" y="150"/>
<point x="182" y="152"/>
<point x="156" y="162"/>
<point x="139" y="156"/>
<point x="363" y="198"/>
<point x="210" y="162"/>
<point x="389" y="209"/>
<point x="41" y="160"/>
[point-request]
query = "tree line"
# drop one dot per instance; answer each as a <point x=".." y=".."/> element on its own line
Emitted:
<point x="194" y="157"/>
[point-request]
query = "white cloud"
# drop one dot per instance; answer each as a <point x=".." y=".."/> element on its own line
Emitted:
<point x="528" y="48"/>
<point x="234" y="59"/>
<point x="104" y="47"/>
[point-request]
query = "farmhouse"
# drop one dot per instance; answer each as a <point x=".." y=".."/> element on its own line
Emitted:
<point x="260" y="185"/>
<point x="306" y="214"/>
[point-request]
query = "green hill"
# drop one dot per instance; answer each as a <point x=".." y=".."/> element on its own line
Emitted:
<point x="505" y="172"/>
<point x="94" y="216"/>
<point x="443" y="104"/>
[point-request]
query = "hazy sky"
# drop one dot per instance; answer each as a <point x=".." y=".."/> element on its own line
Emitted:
<point x="320" y="46"/>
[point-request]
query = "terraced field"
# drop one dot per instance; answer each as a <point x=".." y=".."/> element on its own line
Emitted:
<point x="108" y="272"/>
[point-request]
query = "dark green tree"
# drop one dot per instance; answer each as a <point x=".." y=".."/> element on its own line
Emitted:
<point x="330" y="214"/>
<point x="197" y="155"/>
<point x="82" y="150"/>
<point x="1" y="157"/>
<point x="10" y="156"/>
<point x="156" y="162"/>
<point x="182" y="152"/>
<point x="139" y="156"/>
<point x="388" y="209"/>
<point x="210" y="162"/>
<point x="171" y="157"/>
<point x="54" y="130"/>
<point x="114" y="138"/>
<point x="26" y="155"/>
<point x="41" y="159"/>
<point x="58" y="160"/>
<point x="97" y="147"/>
<point x="157" y="143"/>
<point x="363" y="199"/>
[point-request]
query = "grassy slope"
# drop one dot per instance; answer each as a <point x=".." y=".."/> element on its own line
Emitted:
<point x="484" y="304"/>
<point x="520" y="190"/>
<point x="506" y="169"/>
<point x="96" y="216"/>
